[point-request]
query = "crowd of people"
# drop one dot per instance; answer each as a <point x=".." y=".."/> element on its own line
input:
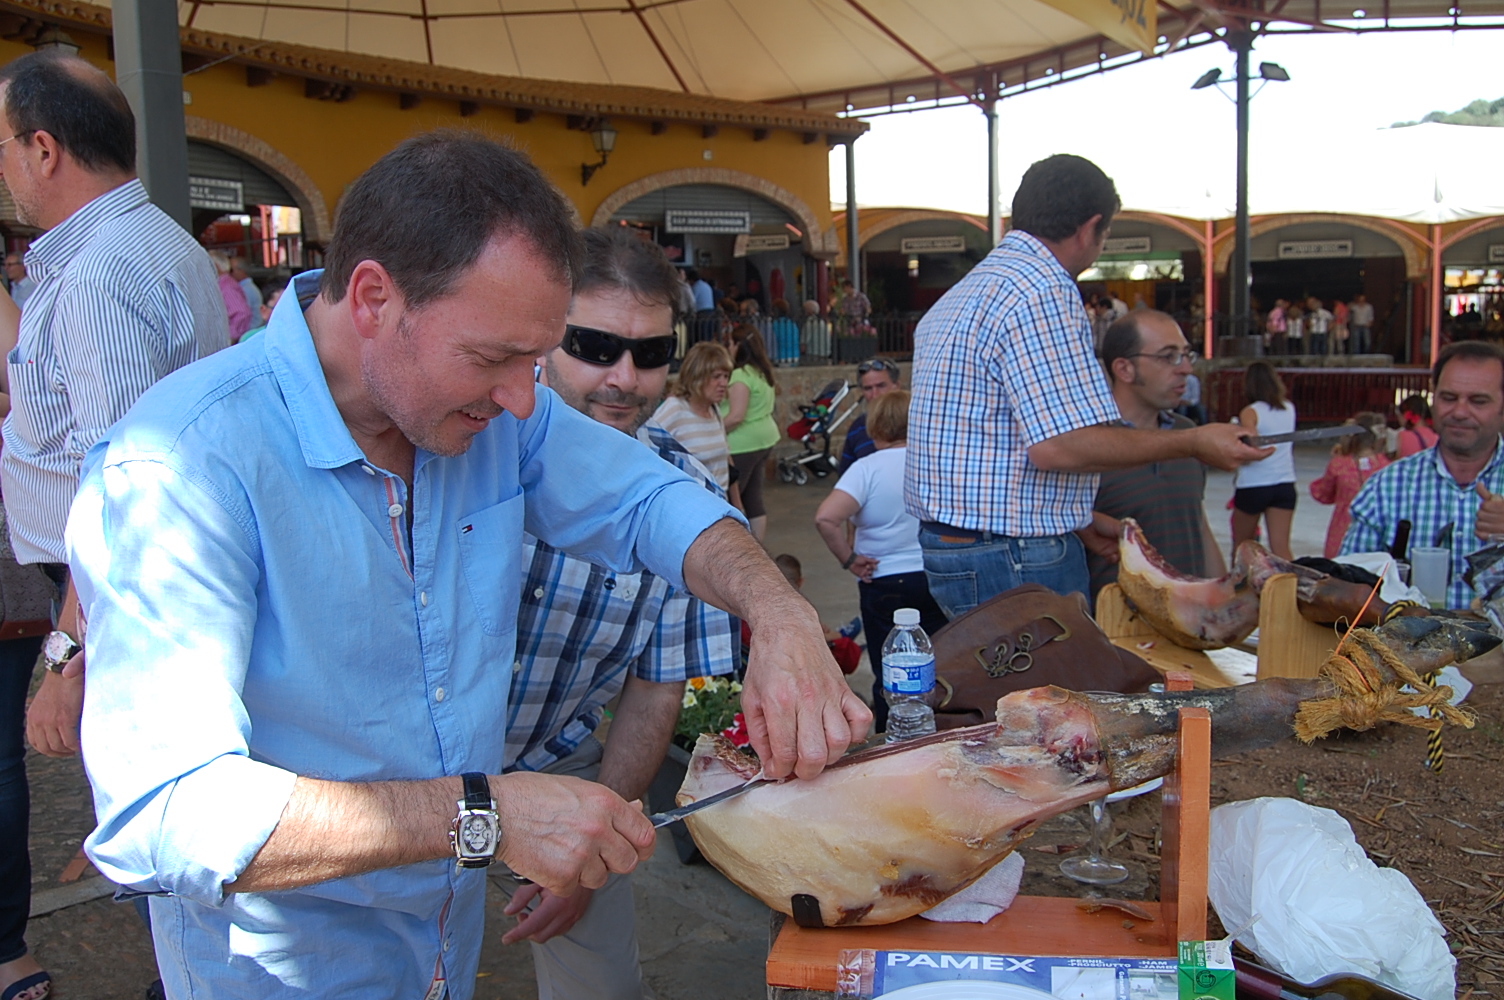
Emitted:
<point x="1307" y="326"/>
<point x="382" y="562"/>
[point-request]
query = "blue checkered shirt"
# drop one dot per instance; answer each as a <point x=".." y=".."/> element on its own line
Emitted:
<point x="581" y="627"/>
<point x="1002" y="362"/>
<point x="1420" y="489"/>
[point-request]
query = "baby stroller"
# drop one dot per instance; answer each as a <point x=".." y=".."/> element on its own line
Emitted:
<point x="813" y="430"/>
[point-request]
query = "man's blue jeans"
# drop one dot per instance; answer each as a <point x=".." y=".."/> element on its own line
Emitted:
<point x="18" y="657"/>
<point x="963" y="574"/>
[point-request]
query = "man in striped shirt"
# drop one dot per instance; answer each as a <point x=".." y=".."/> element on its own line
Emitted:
<point x="1012" y="419"/>
<point x="586" y="635"/>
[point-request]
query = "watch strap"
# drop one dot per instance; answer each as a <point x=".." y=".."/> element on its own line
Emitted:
<point x="477" y="791"/>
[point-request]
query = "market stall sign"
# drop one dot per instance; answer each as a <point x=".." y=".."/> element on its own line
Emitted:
<point x="1496" y="253"/>
<point x="932" y="244"/>
<point x="1128" y="244"/>
<point x="216" y="193"/>
<point x="1315" y="249"/>
<point x="746" y="244"/>
<point x="706" y="220"/>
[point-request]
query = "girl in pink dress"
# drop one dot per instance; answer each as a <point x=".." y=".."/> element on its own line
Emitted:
<point x="1354" y="461"/>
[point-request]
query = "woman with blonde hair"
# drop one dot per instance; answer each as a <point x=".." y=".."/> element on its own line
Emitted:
<point x="1354" y="461"/>
<point x="691" y="411"/>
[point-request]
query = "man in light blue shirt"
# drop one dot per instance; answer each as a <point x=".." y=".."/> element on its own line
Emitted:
<point x="300" y="565"/>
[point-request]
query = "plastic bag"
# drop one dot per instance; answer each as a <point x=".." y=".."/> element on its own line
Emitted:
<point x="1321" y="906"/>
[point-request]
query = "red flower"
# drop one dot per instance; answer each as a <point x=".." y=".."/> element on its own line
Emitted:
<point x="737" y="732"/>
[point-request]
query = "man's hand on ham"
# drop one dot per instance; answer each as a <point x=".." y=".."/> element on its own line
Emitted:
<point x="800" y="713"/>
<point x="564" y="833"/>
<point x="53" y="716"/>
<point x="550" y="916"/>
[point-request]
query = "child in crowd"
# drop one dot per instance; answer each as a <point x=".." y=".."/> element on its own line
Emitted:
<point x="1354" y="460"/>
<point x="1416" y="434"/>
<point x="842" y="641"/>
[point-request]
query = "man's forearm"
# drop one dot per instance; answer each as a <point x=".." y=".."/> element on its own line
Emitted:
<point x="1104" y="448"/>
<point x="332" y="829"/>
<point x="639" y="736"/>
<point x="727" y="568"/>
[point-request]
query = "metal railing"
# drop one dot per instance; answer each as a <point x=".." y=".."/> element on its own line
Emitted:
<point x="1321" y="395"/>
<point x="814" y="340"/>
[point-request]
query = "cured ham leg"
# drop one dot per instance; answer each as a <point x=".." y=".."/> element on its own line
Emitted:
<point x="889" y="832"/>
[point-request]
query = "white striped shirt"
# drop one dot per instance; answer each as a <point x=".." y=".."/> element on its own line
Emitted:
<point x="124" y="295"/>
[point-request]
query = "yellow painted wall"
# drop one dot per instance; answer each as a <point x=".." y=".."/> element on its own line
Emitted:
<point x="335" y="142"/>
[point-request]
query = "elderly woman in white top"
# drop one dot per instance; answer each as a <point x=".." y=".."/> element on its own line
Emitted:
<point x="884" y="556"/>
<point x="691" y="411"/>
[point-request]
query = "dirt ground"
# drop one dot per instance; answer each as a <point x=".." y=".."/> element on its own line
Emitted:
<point x="1445" y="831"/>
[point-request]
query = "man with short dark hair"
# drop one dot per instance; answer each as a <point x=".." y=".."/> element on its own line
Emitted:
<point x="123" y="296"/>
<point x="1012" y="418"/>
<point x="1360" y="322"/>
<point x="301" y="565"/>
<point x="21" y="283"/>
<point x="876" y="378"/>
<point x="1458" y="481"/>
<point x="586" y="635"/>
<point x="1148" y="363"/>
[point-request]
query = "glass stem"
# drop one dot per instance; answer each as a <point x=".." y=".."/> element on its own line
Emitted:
<point x="1100" y="824"/>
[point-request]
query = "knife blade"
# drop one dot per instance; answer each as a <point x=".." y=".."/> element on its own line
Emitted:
<point x="674" y="815"/>
<point x="1314" y="434"/>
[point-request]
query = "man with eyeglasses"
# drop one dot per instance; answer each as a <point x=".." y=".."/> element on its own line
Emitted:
<point x="1148" y="363"/>
<point x="301" y="562"/>
<point x="876" y="378"/>
<point x="586" y="635"/>
<point x="1012" y="418"/>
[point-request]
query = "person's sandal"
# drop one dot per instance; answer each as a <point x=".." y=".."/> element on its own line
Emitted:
<point x="37" y="986"/>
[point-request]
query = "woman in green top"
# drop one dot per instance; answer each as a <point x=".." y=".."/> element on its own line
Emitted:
<point x="748" y="411"/>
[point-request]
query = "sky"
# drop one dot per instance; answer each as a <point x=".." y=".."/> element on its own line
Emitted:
<point x="1147" y="128"/>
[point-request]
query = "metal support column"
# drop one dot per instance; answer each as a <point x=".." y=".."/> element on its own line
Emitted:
<point x="994" y="196"/>
<point x="149" y="69"/>
<point x="1240" y="275"/>
<point x="853" y="246"/>
<point x="1436" y="293"/>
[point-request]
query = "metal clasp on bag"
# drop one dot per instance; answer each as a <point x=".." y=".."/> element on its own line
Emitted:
<point x="1016" y="656"/>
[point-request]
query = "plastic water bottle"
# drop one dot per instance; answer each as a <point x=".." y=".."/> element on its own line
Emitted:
<point x="908" y="677"/>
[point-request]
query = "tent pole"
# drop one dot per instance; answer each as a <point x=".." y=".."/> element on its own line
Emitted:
<point x="1208" y="283"/>
<point x="149" y="70"/>
<point x="853" y="247"/>
<point x="1435" y="291"/>
<point x="994" y="206"/>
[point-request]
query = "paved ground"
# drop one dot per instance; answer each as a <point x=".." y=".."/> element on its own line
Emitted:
<point x="700" y="935"/>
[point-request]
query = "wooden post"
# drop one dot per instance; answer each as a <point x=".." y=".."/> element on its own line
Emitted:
<point x="1186" y="829"/>
<point x="1289" y="645"/>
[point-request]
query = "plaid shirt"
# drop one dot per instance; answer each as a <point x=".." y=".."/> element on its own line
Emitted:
<point x="1423" y="491"/>
<point x="1002" y="362"/>
<point x="581" y="628"/>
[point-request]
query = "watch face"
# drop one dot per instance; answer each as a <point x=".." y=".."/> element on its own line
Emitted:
<point x="477" y="835"/>
<point x="57" y="647"/>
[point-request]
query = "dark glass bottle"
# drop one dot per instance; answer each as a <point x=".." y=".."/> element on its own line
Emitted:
<point x="1258" y="983"/>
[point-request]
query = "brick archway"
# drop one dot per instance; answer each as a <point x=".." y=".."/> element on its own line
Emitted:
<point x="316" y="227"/>
<point x="1414" y="250"/>
<point x="816" y="242"/>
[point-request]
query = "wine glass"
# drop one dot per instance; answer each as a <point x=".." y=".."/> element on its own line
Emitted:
<point x="1094" y="867"/>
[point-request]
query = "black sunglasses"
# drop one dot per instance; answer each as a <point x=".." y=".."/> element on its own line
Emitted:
<point x="598" y="347"/>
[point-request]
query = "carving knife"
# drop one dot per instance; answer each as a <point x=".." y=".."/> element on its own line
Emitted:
<point x="1314" y="434"/>
<point x="674" y="815"/>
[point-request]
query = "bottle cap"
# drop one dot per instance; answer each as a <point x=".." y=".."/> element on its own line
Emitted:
<point x="906" y="616"/>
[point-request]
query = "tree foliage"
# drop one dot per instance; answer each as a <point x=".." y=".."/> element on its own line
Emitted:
<point x="1479" y="112"/>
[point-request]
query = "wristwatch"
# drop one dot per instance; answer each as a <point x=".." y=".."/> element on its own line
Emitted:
<point x="476" y="829"/>
<point x="57" y="649"/>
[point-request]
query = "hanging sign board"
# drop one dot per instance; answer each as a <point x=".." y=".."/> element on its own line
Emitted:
<point x="1129" y="244"/>
<point x="216" y="193"/>
<point x="1496" y="253"/>
<point x="706" y="220"/>
<point x="932" y="244"/>
<point x="759" y="244"/>
<point x="1315" y="249"/>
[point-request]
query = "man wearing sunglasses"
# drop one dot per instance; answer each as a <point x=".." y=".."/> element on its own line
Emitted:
<point x="1148" y="363"/>
<point x="586" y="635"/>
<point x="876" y="378"/>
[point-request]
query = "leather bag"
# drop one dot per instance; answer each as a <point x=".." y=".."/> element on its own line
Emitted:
<point x="1023" y="638"/>
<point x="26" y="593"/>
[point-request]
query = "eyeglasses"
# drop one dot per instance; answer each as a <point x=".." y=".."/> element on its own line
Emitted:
<point x="597" y="347"/>
<point x="1173" y="359"/>
<point x="17" y="136"/>
<point x="877" y="365"/>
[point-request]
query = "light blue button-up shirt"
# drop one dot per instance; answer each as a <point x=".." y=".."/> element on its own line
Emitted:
<point x="257" y="611"/>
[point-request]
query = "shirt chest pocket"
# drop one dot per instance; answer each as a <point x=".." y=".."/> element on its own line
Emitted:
<point x="490" y="543"/>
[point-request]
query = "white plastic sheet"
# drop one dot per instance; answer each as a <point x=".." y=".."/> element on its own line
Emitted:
<point x="1322" y="906"/>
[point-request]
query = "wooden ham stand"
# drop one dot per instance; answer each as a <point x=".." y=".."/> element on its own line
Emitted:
<point x="802" y="962"/>
<point x="1289" y="646"/>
